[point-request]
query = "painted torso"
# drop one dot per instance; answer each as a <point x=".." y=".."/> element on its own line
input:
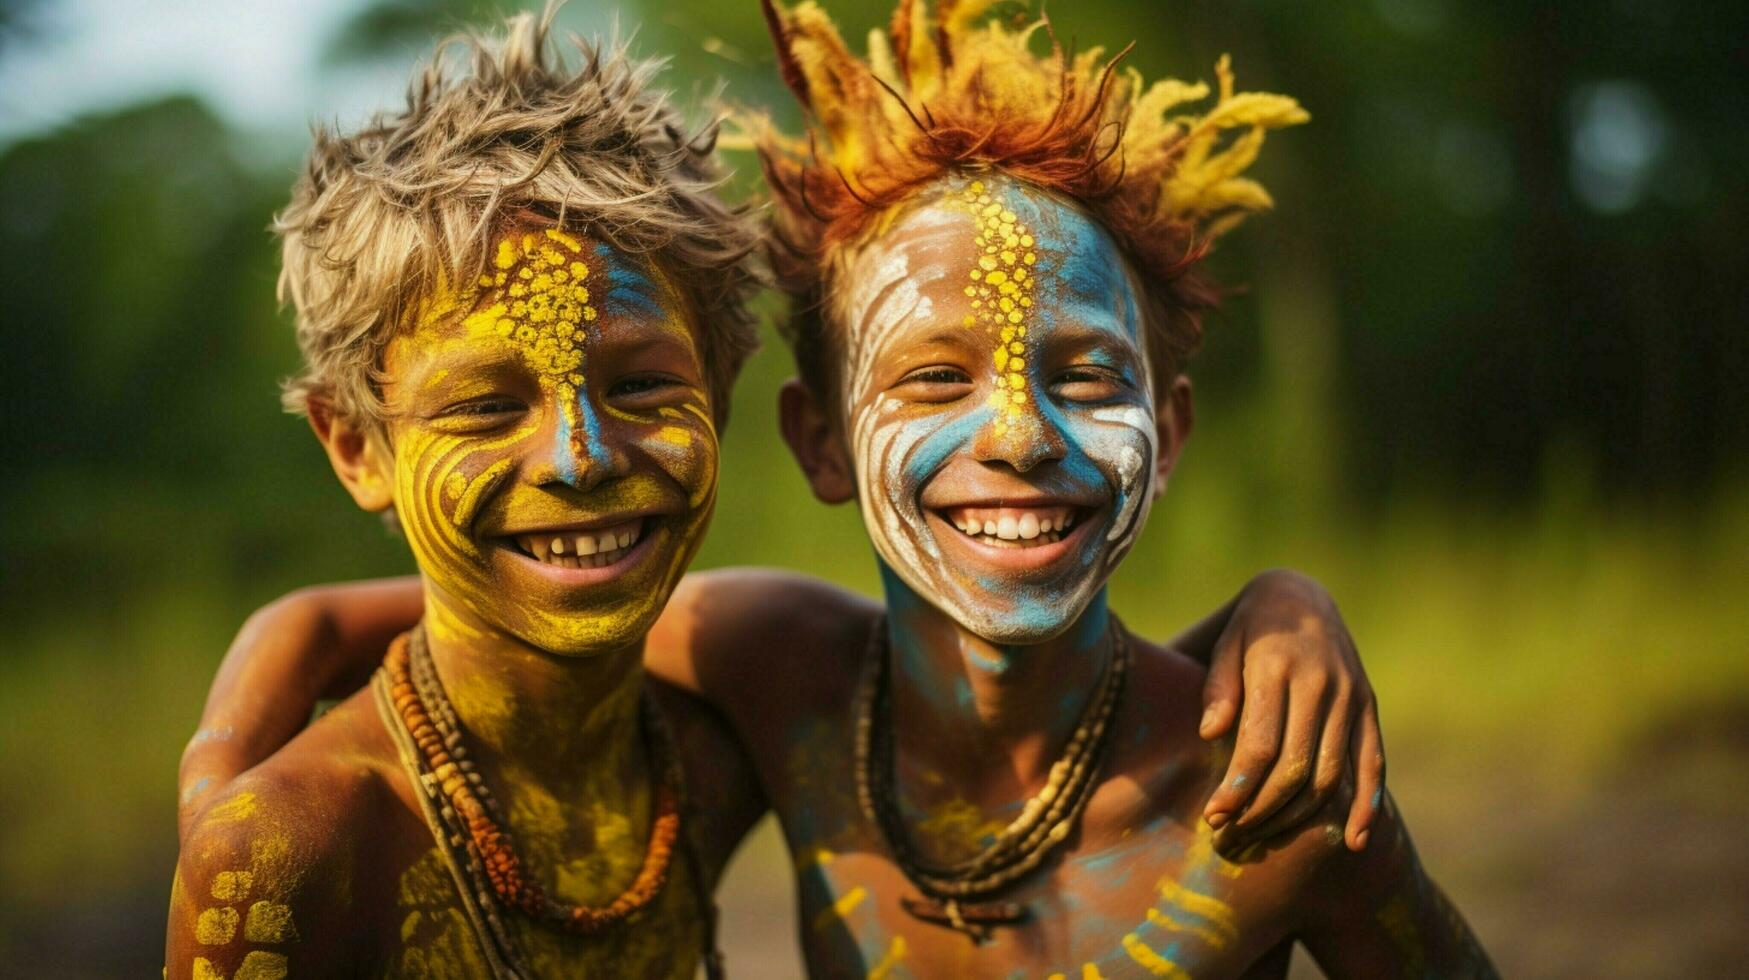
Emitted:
<point x="1140" y="890"/>
<point x="327" y="836"/>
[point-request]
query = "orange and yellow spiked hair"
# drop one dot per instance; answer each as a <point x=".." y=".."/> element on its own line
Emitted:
<point x="942" y="94"/>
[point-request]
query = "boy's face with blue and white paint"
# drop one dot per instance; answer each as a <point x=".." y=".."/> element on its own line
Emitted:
<point x="999" y="404"/>
<point x="552" y="454"/>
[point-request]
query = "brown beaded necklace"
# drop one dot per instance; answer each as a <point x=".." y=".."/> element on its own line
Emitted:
<point x="430" y="720"/>
<point x="1045" y="821"/>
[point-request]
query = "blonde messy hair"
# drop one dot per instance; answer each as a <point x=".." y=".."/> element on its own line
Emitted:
<point x="387" y="216"/>
<point x="942" y="95"/>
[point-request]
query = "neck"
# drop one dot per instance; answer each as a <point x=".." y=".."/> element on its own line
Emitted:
<point x="528" y="712"/>
<point x="989" y="717"/>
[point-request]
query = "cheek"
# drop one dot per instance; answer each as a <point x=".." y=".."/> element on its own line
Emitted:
<point x="684" y="444"/>
<point x="1120" y="443"/>
<point x="442" y="480"/>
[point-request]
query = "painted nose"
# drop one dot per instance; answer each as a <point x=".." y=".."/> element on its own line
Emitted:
<point x="579" y="455"/>
<point x="1023" y="438"/>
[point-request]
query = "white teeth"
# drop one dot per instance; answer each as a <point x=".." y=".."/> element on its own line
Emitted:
<point x="990" y="527"/>
<point x="626" y="537"/>
<point x="1007" y="529"/>
<point x="1044" y="526"/>
<point x="1027" y="526"/>
<point x="586" y="544"/>
<point x="558" y="546"/>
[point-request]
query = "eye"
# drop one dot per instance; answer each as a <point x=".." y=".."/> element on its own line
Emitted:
<point x="479" y="414"/>
<point x="647" y="390"/>
<point x="936" y="383"/>
<point x="1089" y="383"/>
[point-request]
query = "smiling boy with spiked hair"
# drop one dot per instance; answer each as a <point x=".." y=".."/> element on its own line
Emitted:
<point x="995" y="255"/>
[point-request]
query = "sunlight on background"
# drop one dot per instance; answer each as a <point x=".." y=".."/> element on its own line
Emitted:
<point x="1484" y="379"/>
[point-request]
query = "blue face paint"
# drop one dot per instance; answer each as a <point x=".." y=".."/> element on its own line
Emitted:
<point x="1028" y="302"/>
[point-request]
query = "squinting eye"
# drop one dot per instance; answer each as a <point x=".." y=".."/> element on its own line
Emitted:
<point x="940" y="383"/>
<point x="642" y="388"/>
<point x="481" y="407"/>
<point x="1089" y="384"/>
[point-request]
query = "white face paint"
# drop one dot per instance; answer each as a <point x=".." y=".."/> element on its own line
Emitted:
<point x="997" y="373"/>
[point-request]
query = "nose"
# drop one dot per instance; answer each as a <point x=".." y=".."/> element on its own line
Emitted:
<point x="1023" y="433"/>
<point x="579" y="454"/>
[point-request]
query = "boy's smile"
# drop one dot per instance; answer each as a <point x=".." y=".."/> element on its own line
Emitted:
<point x="999" y="405"/>
<point x="554" y="453"/>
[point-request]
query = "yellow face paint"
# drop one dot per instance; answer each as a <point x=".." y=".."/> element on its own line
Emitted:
<point x="561" y="390"/>
<point x="1001" y="295"/>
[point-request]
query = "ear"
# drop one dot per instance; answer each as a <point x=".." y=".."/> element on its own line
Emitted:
<point x="358" y="458"/>
<point x="813" y="439"/>
<point x="1174" y="417"/>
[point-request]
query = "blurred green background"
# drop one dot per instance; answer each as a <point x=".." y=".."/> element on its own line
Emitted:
<point x="1486" y="381"/>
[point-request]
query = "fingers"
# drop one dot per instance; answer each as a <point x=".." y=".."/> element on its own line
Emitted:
<point x="1221" y="691"/>
<point x="1368" y="756"/>
<point x="1293" y="764"/>
<point x="1260" y="734"/>
<point x="1289" y="820"/>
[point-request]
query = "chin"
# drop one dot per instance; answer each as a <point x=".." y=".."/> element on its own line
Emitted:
<point x="1017" y="620"/>
<point x="586" y="633"/>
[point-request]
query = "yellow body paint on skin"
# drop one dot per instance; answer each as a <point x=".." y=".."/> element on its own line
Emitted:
<point x="261" y="966"/>
<point x="1151" y="961"/>
<point x="840" y="909"/>
<point x="1001" y="294"/>
<point x="269" y="922"/>
<point x="1090" y="972"/>
<point x="204" y="970"/>
<point x="215" y="927"/>
<point x="232" y="886"/>
<point x="1170" y="924"/>
<point x="234" y="810"/>
<point x="814" y="857"/>
<point x="890" y="961"/>
<point x="961" y="825"/>
<point x="1218" y="914"/>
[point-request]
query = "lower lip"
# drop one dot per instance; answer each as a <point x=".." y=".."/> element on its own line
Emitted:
<point x="578" y="577"/>
<point x="1022" y="559"/>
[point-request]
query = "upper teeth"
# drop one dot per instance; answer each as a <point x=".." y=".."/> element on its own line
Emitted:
<point x="1012" y="523"/>
<point x="582" y="549"/>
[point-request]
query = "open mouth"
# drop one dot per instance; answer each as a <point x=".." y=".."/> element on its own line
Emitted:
<point x="1013" y="527"/>
<point x="593" y="548"/>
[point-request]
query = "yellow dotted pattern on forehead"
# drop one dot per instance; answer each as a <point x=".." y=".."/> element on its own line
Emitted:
<point x="1001" y="294"/>
<point x="537" y="297"/>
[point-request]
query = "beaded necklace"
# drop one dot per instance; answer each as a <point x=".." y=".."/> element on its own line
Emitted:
<point x="472" y="829"/>
<point x="953" y="891"/>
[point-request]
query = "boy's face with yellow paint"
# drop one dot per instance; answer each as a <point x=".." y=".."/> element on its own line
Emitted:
<point x="553" y="451"/>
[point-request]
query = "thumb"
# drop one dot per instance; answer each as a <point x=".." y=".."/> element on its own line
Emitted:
<point x="1222" y="690"/>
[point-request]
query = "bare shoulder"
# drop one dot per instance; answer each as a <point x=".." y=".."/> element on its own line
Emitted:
<point x="273" y="860"/>
<point x="743" y="627"/>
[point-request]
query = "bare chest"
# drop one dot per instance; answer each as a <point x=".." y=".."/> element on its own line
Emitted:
<point x="1151" y="899"/>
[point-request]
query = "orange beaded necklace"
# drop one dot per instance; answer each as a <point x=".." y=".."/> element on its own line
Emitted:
<point x="430" y="721"/>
